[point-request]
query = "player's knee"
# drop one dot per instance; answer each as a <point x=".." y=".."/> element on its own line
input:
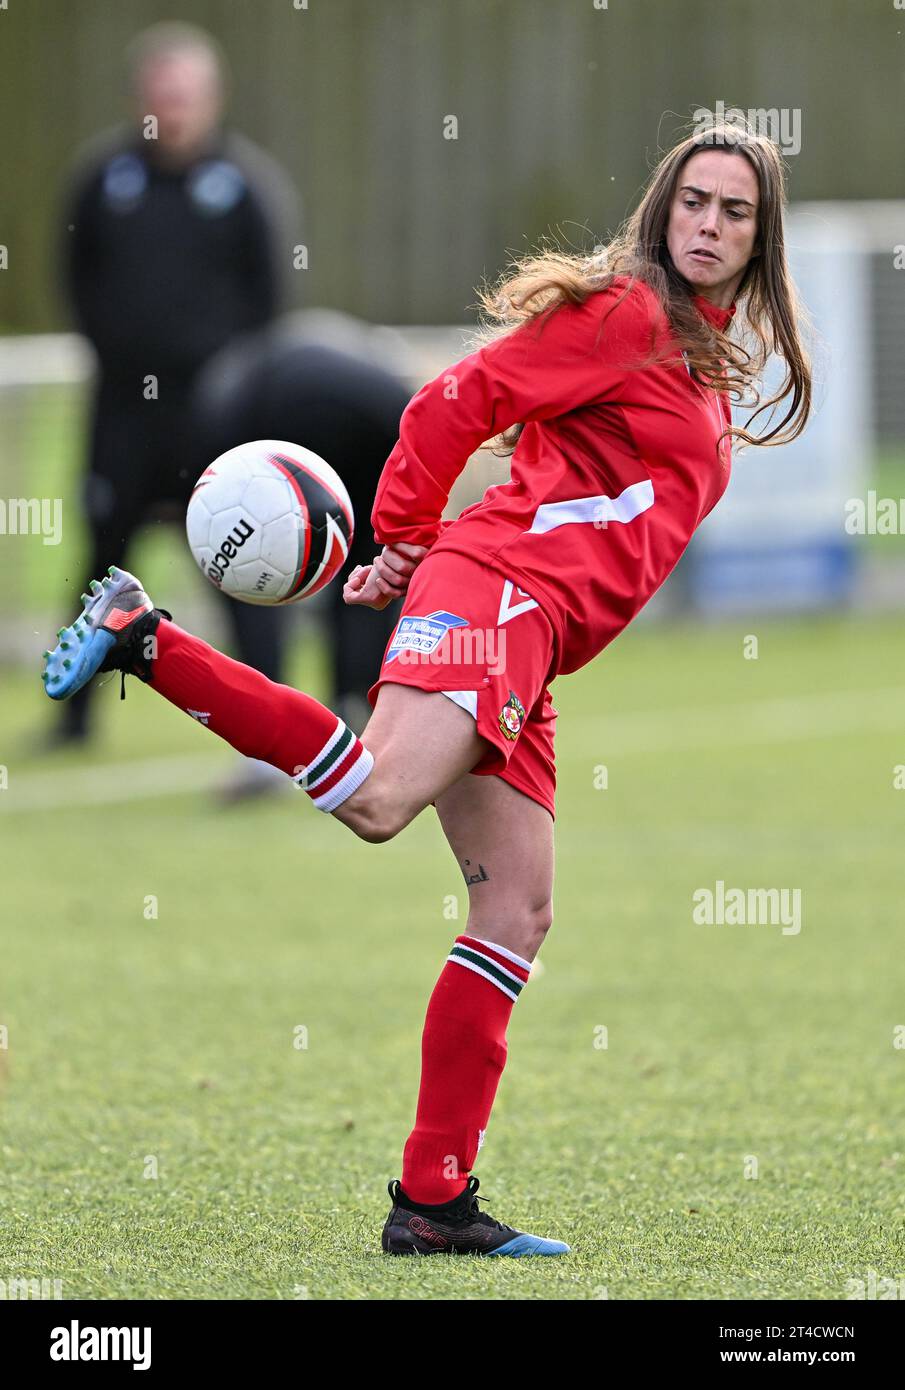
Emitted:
<point x="538" y="921"/>
<point x="374" y="816"/>
<point x="377" y="830"/>
<point x="522" y="926"/>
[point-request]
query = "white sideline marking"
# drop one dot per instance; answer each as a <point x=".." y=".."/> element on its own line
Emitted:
<point x="107" y="783"/>
<point x="679" y="728"/>
<point x="780" y="720"/>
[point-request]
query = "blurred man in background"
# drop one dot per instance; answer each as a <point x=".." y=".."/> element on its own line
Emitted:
<point x="178" y="234"/>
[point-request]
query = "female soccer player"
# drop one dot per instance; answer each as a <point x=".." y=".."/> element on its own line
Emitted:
<point x="615" y="375"/>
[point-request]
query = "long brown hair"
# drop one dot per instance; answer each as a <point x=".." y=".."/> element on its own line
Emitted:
<point x="767" y="302"/>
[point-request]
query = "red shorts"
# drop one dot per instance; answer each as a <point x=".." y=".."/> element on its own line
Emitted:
<point x="471" y="633"/>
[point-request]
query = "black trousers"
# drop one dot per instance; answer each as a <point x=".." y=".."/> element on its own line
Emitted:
<point x="138" y="471"/>
<point x="144" y="460"/>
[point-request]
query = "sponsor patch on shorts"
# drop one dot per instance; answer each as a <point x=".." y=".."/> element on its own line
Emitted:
<point x="422" y="635"/>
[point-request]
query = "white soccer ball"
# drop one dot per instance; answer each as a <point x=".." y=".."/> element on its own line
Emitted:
<point x="269" y="522"/>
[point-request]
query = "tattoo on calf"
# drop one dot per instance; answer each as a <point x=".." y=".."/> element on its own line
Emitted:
<point x="480" y="876"/>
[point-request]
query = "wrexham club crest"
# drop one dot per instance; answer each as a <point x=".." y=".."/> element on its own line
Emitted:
<point x="512" y="716"/>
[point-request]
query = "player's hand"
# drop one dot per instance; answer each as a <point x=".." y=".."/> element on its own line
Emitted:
<point x="396" y="564"/>
<point x="362" y="588"/>
<point x="378" y="584"/>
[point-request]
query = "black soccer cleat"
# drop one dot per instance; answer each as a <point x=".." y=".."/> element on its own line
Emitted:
<point x="106" y="636"/>
<point x="458" y="1227"/>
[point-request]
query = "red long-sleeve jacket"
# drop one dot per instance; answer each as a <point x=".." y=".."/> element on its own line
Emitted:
<point x="615" y="468"/>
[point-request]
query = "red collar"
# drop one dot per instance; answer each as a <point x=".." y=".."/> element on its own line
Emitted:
<point x="719" y="317"/>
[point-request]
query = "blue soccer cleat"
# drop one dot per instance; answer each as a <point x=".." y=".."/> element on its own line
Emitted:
<point x="458" y="1227"/>
<point x="101" y="637"/>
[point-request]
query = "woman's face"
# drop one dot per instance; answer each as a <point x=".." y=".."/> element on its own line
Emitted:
<point x="712" y="228"/>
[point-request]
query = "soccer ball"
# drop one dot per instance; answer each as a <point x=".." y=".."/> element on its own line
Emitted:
<point x="269" y="522"/>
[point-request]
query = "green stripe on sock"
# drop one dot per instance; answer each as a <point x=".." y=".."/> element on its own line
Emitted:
<point x="507" y="981"/>
<point x="339" y="748"/>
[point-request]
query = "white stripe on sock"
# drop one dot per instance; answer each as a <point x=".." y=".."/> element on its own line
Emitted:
<point x="470" y="965"/>
<point x="302" y="779"/>
<point x="494" y="964"/>
<point x="347" y="784"/>
<point x="510" y="955"/>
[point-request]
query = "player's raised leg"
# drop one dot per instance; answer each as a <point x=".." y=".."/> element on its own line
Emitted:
<point x="503" y="842"/>
<point x="416" y="745"/>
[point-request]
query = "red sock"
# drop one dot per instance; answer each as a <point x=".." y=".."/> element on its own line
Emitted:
<point x="463" y="1052"/>
<point x="261" y="719"/>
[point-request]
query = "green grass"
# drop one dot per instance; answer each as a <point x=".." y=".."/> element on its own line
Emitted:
<point x="172" y="1039"/>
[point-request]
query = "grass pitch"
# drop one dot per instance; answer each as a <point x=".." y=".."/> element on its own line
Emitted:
<point x="740" y="1134"/>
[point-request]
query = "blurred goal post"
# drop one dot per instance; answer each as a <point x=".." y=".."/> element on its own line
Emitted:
<point x="778" y="539"/>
